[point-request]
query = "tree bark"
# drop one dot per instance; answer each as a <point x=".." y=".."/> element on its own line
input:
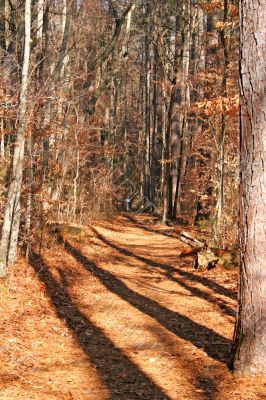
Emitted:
<point x="147" y="175"/>
<point x="249" y="350"/>
<point x="185" y="104"/>
<point x="221" y="146"/>
<point x="10" y="230"/>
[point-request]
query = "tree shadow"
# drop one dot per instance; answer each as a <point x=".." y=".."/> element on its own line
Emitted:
<point x="207" y="385"/>
<point x="120" y="375"/>
<point x="203" y="280"/>
<point x="215" y="345"/>
<point x="206" y="382"/>
<point x="173" y="270"/>
<point x="165" y="232"/>
<point x="202" y="295"/>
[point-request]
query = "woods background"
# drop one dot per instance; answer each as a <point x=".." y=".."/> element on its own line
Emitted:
<point x="124" y="99"/>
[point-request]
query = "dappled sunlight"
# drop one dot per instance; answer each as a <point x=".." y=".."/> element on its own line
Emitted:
<point x="206" y="297"/>
<point x="127" y="321"/>
<point x="102" y="353"/>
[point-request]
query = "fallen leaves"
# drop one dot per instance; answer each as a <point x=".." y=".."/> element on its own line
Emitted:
<point x="43" y="358"/>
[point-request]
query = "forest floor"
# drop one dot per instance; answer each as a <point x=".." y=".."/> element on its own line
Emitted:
<point x="112" y="311"/>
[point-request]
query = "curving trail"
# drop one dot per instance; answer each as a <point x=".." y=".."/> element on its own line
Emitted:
<point x="115" y="313"/>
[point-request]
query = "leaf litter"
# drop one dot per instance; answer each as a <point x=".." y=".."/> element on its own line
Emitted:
<point x="116" y="313"/>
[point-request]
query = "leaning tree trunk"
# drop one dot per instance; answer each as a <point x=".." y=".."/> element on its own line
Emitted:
<point x="10" y="230"/>
<point x="249" y="352"/>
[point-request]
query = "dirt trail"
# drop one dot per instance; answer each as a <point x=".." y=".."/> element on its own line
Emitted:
<point x="116" y="313"/>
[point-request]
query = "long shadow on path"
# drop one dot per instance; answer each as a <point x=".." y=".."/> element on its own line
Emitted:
<point x="202" y="280"/>
<point x="170" y="271"/>
<point x="215" y="345"/>
<point x="164" y="232"/>
<point x="119" y="374"/>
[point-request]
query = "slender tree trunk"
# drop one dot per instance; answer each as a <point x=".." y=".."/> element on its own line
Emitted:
<point x="7" y="23"/>
<point x="40" y="15"/>
<point x="249" y="351"/>
<point x="164" y="144"/>
<point x="10" y="230"/>
<point x="185" y="104"/>
<point x="182" y="44"/>
<point x="29" y="199"/>
<point x="76" y="177"/>
<point x="167" y="194"/>
<point x="2" y="144"/>
<point x="155" y="125"/>
<point x="147" y="175"/>
<point x="221" y="148"/>
<point x="170" y="136"/>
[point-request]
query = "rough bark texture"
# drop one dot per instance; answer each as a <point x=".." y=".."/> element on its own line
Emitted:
<point x="249" y="353"/>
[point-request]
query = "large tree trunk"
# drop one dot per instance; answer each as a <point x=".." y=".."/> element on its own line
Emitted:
<point x="249" y="352"/>
<point x="10" y="230"/>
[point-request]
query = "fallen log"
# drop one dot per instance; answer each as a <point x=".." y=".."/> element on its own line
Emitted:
<point x="189" y="239"/>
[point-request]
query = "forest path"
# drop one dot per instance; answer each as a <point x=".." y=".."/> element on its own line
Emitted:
<point x="116" y="313"/>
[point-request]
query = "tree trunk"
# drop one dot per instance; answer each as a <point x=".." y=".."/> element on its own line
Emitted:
<point x="249" y="351"/>
<point x="155" y="125"/>
<point x="185" y="104"/>
<point x="170" y="136"/>
<point x="166" y="181"/>
<point x="10" y="230"/>
<point x="147" y="175"/>
<point x="221" y="147"/>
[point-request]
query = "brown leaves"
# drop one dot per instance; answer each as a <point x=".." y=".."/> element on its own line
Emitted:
<point x="42" y="358"/>
<point x="211" y="5"/>
<point x="219" y="105"/>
